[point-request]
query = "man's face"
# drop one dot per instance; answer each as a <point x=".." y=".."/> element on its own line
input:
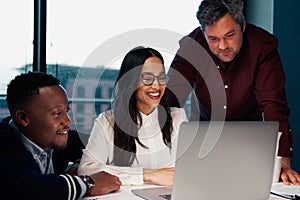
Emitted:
<point x="48" y="121"/>
<point x="224" y="38"/>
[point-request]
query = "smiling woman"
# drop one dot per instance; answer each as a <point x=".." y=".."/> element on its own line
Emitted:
<point x="136" y="140"/>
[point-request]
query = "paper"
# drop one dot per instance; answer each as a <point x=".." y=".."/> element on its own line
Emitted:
<point x="120" y="196"/>
<point x="280" y="188"/>
<point x="126" y="194"/>
<point x="123" y="194"/>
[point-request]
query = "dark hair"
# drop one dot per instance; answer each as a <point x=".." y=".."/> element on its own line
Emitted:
<point x="24" y="87"/>
<point x="211" y="11"/>
<point x="127" y="116"/>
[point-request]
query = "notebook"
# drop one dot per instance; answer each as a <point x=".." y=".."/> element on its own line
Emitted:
<point x="221" y="160"/>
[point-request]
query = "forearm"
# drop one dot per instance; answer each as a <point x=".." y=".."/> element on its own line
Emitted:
<point x="127" y="175"/>
<point x="285" y="163"/>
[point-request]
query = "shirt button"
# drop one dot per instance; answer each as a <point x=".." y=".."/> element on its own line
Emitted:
<point x="226" y="86"/>
<point x="291" y="149"/>
<point x="218" y="67"/>
<point x="225" y="107"/>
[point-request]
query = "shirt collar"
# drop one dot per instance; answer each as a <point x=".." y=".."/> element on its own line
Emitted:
<point x="148" y="119"/>
<point x="37" y="152"/>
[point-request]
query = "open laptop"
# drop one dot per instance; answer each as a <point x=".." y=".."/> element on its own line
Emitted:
<point x="221" y="160"/>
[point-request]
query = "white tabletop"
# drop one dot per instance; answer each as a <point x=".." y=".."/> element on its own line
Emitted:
<point x="125" y="192"/>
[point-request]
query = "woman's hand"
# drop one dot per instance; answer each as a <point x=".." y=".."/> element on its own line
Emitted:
<point x="163" y="176"/>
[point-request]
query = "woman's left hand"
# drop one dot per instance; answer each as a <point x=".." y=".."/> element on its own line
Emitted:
<point x="163" y="176"/>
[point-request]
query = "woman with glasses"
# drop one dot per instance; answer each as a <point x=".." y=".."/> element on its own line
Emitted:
<point x="137" y="139"/>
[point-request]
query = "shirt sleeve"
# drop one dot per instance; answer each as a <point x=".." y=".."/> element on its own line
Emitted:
<point x="178" y="116"/>
<point x="30" y="184"/>
<point x="99" y="153"/>
<point x="271" y="96"/>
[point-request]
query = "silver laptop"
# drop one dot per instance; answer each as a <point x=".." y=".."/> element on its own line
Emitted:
<point x="221" y="160"/>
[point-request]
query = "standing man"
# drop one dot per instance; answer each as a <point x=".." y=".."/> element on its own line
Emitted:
<point x="239" y="62"/>
<point x="36" y="144"/>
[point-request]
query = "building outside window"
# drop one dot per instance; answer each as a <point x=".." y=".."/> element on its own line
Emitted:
<point x="86" y="42"/>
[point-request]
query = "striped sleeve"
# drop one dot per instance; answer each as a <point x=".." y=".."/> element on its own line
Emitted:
<point x="75" y="188"/>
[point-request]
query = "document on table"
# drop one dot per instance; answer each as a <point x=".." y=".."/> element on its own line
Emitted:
<point x="120" y="196"/>
<point x="123" y="194"/>
<point x="280" y="188"/>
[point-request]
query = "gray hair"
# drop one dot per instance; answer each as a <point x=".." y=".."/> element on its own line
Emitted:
<point x="211" y="11"/>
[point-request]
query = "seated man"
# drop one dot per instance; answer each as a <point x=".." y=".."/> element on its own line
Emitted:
<point x="61" y="158"/>
<point x="36" y="144"/>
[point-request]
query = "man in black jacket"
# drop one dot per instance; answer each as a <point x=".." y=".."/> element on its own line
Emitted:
<point x="36" y="144"/>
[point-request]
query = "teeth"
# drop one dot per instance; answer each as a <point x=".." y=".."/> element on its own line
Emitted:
<point x="154" y="94"/>
<point x="63" y="133"/>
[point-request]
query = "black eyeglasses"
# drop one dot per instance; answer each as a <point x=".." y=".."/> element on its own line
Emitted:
<point x="149" y="78"/>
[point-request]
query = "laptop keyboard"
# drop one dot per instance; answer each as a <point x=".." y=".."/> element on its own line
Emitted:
<point x="166" y="196"/>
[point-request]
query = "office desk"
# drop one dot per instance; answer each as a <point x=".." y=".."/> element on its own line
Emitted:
<point x="126" y="194"/>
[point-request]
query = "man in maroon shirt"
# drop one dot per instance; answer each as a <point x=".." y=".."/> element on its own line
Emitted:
<point x="235" y="72"/>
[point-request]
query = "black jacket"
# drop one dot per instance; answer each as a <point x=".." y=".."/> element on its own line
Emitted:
<point x="21" y="177"/>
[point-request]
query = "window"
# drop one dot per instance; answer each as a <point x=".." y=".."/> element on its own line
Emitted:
<point x="80" y="91"/>
<point x="75" y="28"/>
<point x="88" y="39"/>
<point x="86" y="42"/>
<point x="16" y="43"/>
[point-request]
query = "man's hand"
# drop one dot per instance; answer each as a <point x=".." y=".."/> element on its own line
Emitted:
<point x="288" y="175"/>
<point x="104" y="183"/>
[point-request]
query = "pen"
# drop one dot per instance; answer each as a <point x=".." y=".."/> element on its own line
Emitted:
<point x="293" y="197"/>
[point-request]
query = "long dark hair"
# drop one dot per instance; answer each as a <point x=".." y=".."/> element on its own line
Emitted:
<point x="127" y="118"/>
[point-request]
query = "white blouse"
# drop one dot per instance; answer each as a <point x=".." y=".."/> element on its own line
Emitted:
<point x="98" y="153"/>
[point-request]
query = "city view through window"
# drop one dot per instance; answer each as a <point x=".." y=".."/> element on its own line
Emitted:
<point x="86" y="42"/>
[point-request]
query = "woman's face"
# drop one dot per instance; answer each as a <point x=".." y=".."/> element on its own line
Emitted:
<point x="149" y="94"/>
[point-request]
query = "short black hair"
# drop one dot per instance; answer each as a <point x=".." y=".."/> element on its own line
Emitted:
<point x="24" y="87"/>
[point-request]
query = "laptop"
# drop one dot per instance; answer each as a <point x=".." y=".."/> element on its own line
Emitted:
<point x="221" y="160"/>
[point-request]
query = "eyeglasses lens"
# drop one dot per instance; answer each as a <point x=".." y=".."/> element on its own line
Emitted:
<point x="148" y="79"/>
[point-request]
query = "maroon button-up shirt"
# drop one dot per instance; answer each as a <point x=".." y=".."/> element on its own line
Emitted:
<point x="249" y="88"/>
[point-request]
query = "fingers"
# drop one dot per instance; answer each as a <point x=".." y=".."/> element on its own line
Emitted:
<point x="290" y="176"/>
<point x="116" y="178"/>
<point x="294" y="178"/>
<point x="284" y="178"/>
<point x="104" y="183"/>
<point x="115" y="182"/>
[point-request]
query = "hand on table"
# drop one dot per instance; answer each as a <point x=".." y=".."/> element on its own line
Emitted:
<point x="163" y="176"/>
<point x="288" y="175"/>
<point x="104" y="183"/>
